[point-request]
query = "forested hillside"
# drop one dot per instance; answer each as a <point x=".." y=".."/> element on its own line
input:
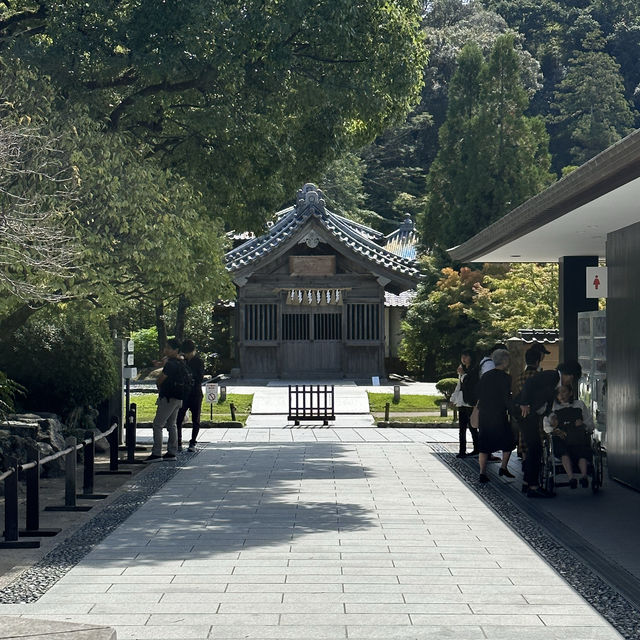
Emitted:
<point x="565" y="82"/>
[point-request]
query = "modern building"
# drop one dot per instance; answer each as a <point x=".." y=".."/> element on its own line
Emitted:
<point x="320" y="295"/>
<point x="586" y="219"/>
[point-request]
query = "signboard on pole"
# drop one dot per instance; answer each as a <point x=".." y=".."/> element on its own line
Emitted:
<point x="596" y="282"/>
<point x="211" y="392"/>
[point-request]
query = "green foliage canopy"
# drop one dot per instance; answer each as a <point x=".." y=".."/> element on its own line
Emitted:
<point x="246" y="98"/>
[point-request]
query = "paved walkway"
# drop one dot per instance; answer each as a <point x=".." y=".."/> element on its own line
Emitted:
<point x="342" y="538"/>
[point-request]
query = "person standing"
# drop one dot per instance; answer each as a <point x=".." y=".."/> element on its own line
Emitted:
<point x="171" y="389"/>
<point x="494" y="427"/>
<point x="465" y="401"/>
<point x="535" y="400"/>
<point x="194" y="402"/>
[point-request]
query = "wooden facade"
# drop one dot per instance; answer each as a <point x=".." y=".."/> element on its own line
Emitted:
<point x="310" y="295"/>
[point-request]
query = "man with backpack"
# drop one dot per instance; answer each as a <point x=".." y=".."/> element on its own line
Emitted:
<point x="174" y="386"/>
<point x="193" y="403"/>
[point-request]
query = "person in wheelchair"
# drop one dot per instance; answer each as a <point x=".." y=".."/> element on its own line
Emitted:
<point x="572" y="425"/>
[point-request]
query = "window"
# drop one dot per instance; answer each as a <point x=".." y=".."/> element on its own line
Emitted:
<point x="260" y="322"/>
<point x="363" y="321"/>
<point x="295" y="326"/>
<point x="327" y="326"/>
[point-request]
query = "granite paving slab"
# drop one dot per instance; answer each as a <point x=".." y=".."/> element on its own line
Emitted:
<point x="317" y="539"/>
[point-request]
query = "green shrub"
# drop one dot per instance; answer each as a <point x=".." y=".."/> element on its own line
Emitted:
<point x="65" y="359"/>
<point x="9" y="389"/>
<point x="446" y="387"/>
<point x="146" y="347"/>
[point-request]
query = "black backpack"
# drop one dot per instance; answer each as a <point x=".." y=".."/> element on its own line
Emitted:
<point x="469" y="386"/>
<point x="180" y="385"/>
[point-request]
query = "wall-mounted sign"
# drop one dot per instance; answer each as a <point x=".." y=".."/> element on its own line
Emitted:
<point x="596" y="282"/>
<point x="312" y="265"/>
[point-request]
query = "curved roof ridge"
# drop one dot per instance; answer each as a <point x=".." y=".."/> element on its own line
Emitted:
<point x="358" y="225"/>
<point x="352" y="234"/>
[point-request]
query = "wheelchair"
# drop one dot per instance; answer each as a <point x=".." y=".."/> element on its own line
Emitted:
<point x="551" y="466"/>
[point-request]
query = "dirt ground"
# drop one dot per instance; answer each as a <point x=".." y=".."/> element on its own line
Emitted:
<point x="14" y="561"/>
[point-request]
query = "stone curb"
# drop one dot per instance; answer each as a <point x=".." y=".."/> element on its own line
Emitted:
<point x="11" y="627"/>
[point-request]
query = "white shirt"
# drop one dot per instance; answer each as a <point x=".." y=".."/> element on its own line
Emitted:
<point x="486" y="364"/>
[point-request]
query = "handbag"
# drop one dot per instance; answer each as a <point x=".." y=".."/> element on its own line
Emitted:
<point x="474" y="419"/>
<point x="456" y="396"/>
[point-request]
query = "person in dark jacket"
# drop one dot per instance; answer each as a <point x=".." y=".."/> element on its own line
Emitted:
<point x="535" y="401"/>
<point x="194" y="402"/>
<point x="494" y="427"/>
<point x="168" y="404"/>
<point x="465" y="401"/>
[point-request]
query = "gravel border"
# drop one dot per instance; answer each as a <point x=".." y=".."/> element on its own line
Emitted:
<point x="32" y="583"/>
<point x="604" y="598"/>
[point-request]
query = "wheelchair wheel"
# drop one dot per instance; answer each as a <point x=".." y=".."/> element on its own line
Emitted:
<point x="547" y="468"/>
<point x="597" y="467"/>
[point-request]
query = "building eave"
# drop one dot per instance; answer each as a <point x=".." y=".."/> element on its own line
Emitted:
<point x="598" y="178"/>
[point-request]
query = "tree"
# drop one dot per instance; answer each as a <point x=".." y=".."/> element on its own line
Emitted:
<point x="436" y="327"/>
<point x="36" y="188"/>
<point x="523" y="296"/>
<point x="492" y="156"/>
<point x="141" y="231"/>
<point x="591" y="106"/>
<point x="246" y="99"/>
<point x="475" y="308"/>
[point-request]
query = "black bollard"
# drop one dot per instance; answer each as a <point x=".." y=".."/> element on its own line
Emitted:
<point x="232" y="408"/>
<point x="386" y="412"/>
<point x="71" y="468"/>
<point x="32" y="477"/>
<point x="130" y="435"/>
<point x="11" y="512"/>
<point x="88" y="474"/>
<point x="113" y="439"/>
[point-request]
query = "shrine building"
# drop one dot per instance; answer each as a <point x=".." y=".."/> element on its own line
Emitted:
<point x="319" y="295"/>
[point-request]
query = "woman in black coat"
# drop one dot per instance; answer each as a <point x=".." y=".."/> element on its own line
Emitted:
<point x="494" y="427"/>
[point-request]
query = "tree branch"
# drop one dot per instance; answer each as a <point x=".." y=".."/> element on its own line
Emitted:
<point x="22" y="16"/>
<point x="161" y="87"/>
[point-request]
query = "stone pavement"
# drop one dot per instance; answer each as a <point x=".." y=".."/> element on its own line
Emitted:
<point x="358" y="537"/>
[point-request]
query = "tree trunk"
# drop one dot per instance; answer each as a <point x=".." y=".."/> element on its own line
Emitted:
<point x="181" y="313"/>
<point x="17" y="318"/>
<point x="161" y="327"/>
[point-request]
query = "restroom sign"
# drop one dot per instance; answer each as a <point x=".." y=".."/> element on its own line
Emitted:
<point x="596" y="282"/>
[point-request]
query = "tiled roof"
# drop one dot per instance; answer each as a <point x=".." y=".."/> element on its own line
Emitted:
<point x="404" y="240"/>
<point x="539" y="335"/>
<point x="310" y="204"/>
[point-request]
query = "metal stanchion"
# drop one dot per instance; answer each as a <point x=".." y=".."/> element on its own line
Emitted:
<point x="32" y="477"/>
<point x="387" y="407"/>
<point x="89" y="456"/>
<point x="130" y="436"/>
<point x="113" y="439"/>
<point x="11" y="511"/>
<point x="71" y="468"/>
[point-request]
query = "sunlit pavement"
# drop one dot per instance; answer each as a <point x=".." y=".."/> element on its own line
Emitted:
<point x="318" y="533"/>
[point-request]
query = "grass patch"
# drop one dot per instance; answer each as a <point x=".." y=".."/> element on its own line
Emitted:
<point x="407" y="402"/>
<point x="146" y="406"/>
<point x="421" y="418"/>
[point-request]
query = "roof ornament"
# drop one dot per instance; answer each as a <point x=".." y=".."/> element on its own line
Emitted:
<point x="407" y="223"/>
<point x="309" y="197"/>
<point x="312" y="239"/>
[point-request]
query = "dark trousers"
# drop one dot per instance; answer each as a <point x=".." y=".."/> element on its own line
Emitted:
<point x="530" y="431"/>
<point x="464" y="416"/>
<point x="193" y="404"/>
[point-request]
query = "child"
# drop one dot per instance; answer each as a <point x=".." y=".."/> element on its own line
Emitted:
<point x="572" y="425"/>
